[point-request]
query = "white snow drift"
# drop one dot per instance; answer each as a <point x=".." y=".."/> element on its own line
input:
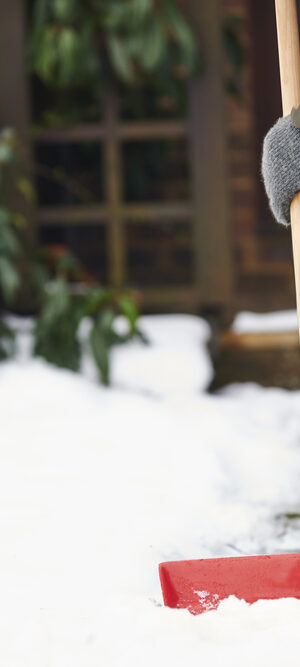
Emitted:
<point x="97" y="486"/>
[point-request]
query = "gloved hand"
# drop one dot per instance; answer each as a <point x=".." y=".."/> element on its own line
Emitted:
<point x="281" y="165"/>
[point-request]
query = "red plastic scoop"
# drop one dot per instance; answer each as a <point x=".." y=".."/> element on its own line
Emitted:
<point x="200" y="585"/>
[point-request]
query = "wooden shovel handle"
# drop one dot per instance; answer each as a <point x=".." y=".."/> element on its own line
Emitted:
<point x="289" y="62"/>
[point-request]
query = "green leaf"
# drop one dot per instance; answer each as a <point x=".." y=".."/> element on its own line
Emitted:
<point x="121" y="61"/>
<point x="129" y="309"/>
<point x="9" y="242"/>
<point x="107" y="319"/>
<point x="100" y="349"/>
<point x="138" y="12"/>
<point x="182" y="35"/>
<point x="9" y="279"/>
<point x="95" y="298"/>
<point x="7" y="341"/>
<point x="26" y="188"/>
<point x="64" y="9"/>
<point x="38" y="278"/>
<point x="5" y="216"/>
<point x="19" y="220"/>
<point x="154" y="45"/>
<point x="59" y="345"/>
<point x="46" y="55"/>
<point x="115" y="15"/>
<point x="56" y="331"/>
<point x="68" y="49"/>
<point x="141" y="336"/>
<point x="57" y="302"/>
<point x="68" y="263"/>
<point x="130" y="15"/>
<point x="179" y="26"/>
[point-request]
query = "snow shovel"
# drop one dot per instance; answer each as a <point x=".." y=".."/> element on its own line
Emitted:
<point x="200" y="585"/>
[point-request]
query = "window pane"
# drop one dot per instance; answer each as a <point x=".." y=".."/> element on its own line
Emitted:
<point x="155" y="170"/>
<point x="68" y="173"/>
<point x="159" y="254"/>
<point x="87" y="242"/>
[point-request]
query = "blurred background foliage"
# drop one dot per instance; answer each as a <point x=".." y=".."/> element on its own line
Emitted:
<point x="52" y="281"/>
<point x="81" y="48"/>
<point x="75" y="42"/>
<point x="78" y="50"/>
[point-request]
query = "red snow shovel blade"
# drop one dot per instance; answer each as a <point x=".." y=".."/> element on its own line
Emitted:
<point x="200" y="585"/>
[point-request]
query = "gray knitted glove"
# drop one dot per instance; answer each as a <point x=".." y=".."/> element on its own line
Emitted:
<point x="281" y="165"/>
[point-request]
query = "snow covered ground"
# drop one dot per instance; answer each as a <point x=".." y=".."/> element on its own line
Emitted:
<point x="97" y="486"/>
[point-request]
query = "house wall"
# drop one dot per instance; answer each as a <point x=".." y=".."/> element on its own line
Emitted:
<point x="261" y="258"/>
<point x="262" y="249"/>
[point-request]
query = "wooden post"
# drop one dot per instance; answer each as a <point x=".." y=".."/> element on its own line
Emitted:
<point x="14" y="106"/>
<point x="212" y="236"/>
<point x="289" y="62"/>
<point x="113" y="176"/>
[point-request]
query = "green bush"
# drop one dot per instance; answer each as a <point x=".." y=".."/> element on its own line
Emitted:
<point x="60" y="302"/>
<point x="56" y="332"/>
<point x="10" y="248"/>
<point x="76" y="42"/>
<point x="79" y="49"/>
<point x="9" y="221"/>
